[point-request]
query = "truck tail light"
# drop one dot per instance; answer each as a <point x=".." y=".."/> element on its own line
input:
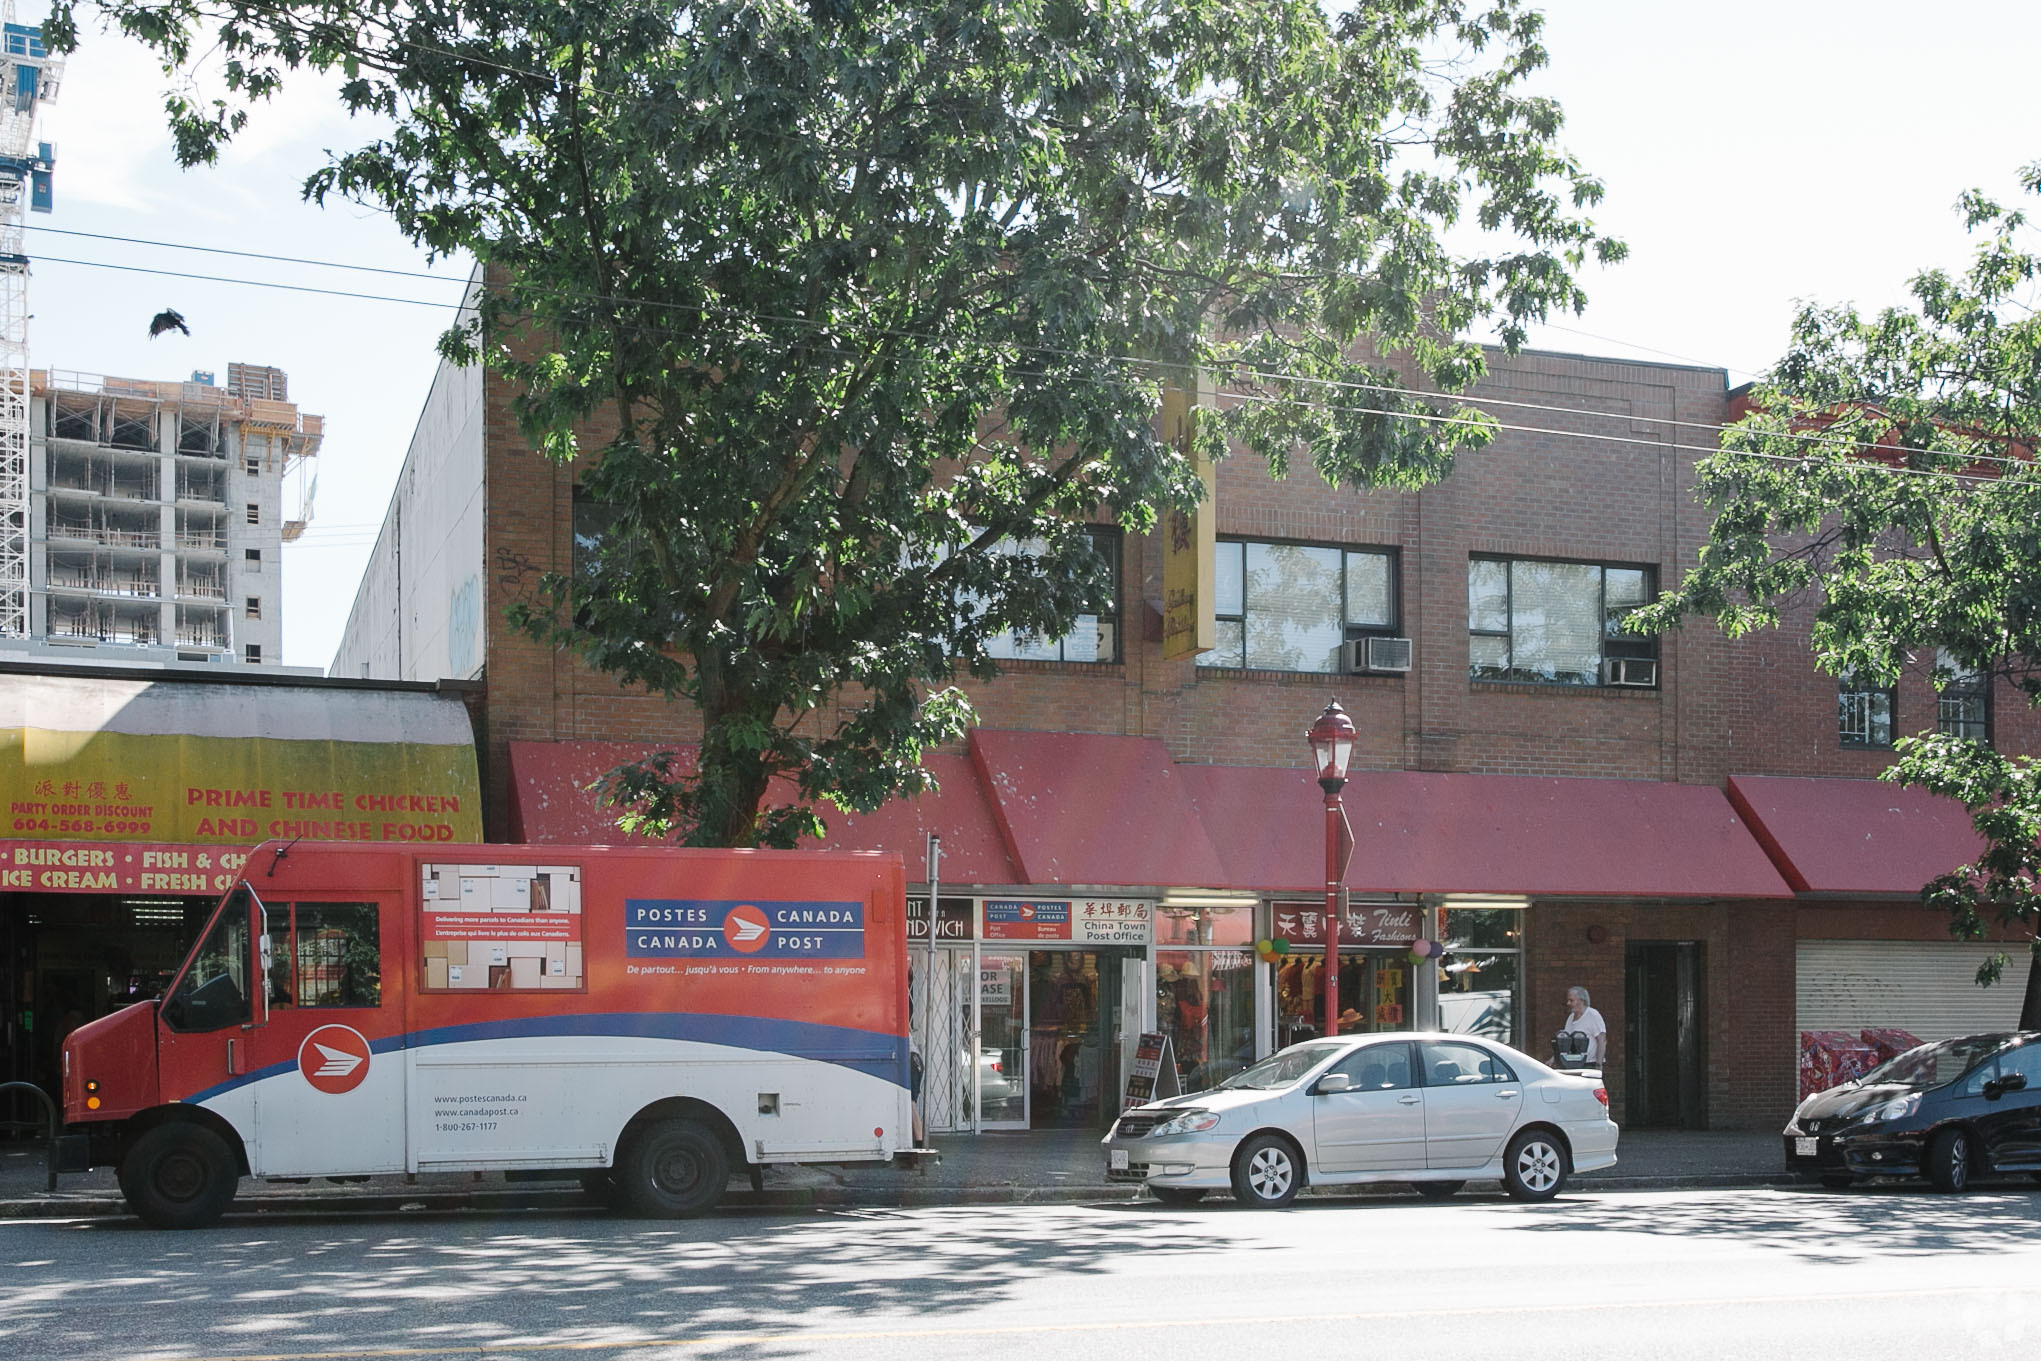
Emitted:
<point x="91" y="1094"/>
<point x="1602" y="1095"/>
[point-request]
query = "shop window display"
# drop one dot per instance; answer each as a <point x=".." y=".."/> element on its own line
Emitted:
<point x="1481" y="973"/>
<point x="1204" y="990"/>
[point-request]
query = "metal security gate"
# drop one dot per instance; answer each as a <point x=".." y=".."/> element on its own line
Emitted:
<point x="1928" y="988"/>
<point x="940" y="1032"/>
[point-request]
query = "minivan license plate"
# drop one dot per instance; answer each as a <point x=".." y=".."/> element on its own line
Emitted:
<point x="1804" y="1148"/>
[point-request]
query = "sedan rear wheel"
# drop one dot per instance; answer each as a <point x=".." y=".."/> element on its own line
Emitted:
<point x="1535" y="1166"/>
<point x="1949" y="1162"/>
<point x="1267" y="1172"/>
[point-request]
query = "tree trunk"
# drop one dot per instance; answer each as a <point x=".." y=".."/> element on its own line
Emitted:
<point x="2030" y="1007"/>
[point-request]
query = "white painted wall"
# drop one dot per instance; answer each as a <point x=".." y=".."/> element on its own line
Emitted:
<point x="419" y="610"/>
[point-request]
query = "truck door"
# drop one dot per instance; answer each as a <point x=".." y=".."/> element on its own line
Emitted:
<point x="328" y="1042"/>
<point x="205" y="1022"/>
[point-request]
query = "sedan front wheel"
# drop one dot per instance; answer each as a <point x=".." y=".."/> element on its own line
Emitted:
<point x="1267" y="1173"/>
<point x="1535" y="1166"/>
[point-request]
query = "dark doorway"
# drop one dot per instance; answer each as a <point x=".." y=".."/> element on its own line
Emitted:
<point x="1665" y="1024"/>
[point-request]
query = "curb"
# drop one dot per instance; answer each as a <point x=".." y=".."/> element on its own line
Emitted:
<point x="805" y="1198"/>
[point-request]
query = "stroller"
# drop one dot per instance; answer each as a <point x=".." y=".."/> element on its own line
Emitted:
<point x="1569" y="1051"/>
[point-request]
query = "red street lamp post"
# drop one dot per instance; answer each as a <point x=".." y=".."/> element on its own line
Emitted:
<point x="1332" y="742"/>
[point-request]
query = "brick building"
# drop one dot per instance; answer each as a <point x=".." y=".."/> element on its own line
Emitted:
<point x="1686" y="826"/>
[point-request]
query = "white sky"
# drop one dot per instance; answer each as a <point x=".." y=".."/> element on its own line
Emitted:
<point x="1755" y="153"/>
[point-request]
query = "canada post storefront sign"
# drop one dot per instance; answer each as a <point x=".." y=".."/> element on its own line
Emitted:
<point x="729" y="928"/>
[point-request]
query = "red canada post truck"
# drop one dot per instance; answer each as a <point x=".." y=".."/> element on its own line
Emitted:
<point x="655" y="1019"/>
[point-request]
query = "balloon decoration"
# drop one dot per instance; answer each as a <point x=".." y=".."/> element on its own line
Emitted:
<point x="1422" y="950"/>
<point x="1271" y="951"/>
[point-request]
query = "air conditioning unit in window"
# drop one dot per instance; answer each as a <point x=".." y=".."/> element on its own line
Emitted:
<point x="1380" y="655"/>
<point x="1630" y="671"/>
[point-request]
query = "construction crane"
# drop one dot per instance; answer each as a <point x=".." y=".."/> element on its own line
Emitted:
<point x="28" y="81"/>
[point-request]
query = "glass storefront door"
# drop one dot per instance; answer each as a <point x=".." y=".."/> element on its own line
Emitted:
<point x="998" y="1071"/>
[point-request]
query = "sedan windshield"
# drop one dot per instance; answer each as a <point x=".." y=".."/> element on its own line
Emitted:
<point x="1932" y="1065"/>
<point x="1280" y="1070"/>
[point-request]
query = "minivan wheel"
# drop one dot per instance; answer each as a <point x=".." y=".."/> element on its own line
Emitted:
<point x="1267" y="1172"/>
<point x="672" y="1169"/>
<point x="1949" y="1160"/>
<point x="1535" y="1166"/>
<point x="179" y="1176"/>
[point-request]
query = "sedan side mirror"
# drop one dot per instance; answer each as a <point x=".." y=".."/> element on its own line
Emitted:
<point x="1333" y="1082"/>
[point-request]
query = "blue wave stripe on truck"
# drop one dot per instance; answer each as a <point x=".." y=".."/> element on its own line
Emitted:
<point x="881" y="1056"/>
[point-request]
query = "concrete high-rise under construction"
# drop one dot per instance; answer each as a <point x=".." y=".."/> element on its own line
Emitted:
<point x="157" y="516"/>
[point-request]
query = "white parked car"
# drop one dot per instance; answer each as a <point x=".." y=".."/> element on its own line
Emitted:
<point x="1433" y="1109"/>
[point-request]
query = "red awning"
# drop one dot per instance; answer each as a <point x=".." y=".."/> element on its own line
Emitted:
<point x="1420" y="832"/>
<point x="552" y="803"/>
<point x="1086" y="808"/>
<point x="1855" y="837"/>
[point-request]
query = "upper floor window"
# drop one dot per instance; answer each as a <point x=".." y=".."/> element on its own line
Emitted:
<point x="1864" y="712"/>
<point x="1557" y="623"/>
<point x="1291" y="606"/>
<point x="1095" y="637"/>
<point x="1963" y="708"/>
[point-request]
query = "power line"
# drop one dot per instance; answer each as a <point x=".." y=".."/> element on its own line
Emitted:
<point x="1476" y="402"/>
<point x="247" y="283"/>
<point x="247" y="254"/>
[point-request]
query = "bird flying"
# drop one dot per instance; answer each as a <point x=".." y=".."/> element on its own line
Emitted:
<point x="167" y="320"/>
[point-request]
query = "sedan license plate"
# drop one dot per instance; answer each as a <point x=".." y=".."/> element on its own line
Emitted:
<point x="1118" y="1160"/>
<point x="1804" y="1148"/>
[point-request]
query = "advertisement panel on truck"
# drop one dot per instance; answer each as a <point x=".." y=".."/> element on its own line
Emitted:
<point x="657" y="1020"/>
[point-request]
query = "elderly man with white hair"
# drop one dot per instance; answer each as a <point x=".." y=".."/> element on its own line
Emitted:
<point x="1583" y="1019"/>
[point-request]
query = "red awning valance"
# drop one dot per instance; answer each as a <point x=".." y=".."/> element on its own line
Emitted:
<point x="1855" y="837"/>
<point x="1090" y="810"/>
<point x="1422" y="832"/>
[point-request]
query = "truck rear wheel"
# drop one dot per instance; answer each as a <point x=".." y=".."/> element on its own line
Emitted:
<point x="672" y="1169"/>
<point x="179" y="1176"/>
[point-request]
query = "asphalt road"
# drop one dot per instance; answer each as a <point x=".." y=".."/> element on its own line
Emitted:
<point x="1747" y="1274"/>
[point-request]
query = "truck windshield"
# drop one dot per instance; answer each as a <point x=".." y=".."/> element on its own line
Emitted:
<point x="214" y="991"/>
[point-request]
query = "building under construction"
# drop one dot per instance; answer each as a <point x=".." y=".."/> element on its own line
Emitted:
<point x="158" y="512"/>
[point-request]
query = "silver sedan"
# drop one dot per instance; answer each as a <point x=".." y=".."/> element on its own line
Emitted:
<point x="1432" y="1109"/>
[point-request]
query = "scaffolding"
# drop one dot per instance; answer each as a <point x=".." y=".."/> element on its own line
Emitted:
<point x="30" y="75"/>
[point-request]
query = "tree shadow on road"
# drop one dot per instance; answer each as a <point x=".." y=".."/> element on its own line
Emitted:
<point x="1836" y="1227"/>
<point x="729" y="1286"/>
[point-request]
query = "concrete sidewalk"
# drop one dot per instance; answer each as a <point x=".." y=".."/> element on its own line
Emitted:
<point x="1009" y="1168"/>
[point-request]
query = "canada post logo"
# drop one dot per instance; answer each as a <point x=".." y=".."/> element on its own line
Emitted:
<point x="731" y="928"/>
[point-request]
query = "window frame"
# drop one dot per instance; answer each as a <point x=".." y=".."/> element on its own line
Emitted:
<point x="1392" y="559"/>
<point x="1612" y="644"/>
<point x="1848" y="688"/>
<point x="1964" y="687"/>
<point x="1107" y="542"/>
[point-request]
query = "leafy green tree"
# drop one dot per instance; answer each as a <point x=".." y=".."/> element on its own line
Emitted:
<point x="1884" y="481"/>
<point x="837" y="302"/>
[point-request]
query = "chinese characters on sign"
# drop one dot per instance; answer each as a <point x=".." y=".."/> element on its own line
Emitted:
<point x="1360" y="924"/>
<point x="1084" y="921"/>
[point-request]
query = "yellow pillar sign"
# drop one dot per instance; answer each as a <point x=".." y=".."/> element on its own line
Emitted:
<point x="1187" y="542"/>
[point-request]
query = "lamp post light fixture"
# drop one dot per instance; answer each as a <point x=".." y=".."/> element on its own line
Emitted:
<point x="1332" y="743"/>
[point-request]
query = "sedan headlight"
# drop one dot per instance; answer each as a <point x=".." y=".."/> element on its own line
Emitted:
<point x="1186" y="1122"/>
<point x="1896" y="1109"/>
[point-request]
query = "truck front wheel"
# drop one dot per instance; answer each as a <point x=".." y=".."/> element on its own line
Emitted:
<point x="179" y="1176"/>
<point x="671" y="1169"/>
